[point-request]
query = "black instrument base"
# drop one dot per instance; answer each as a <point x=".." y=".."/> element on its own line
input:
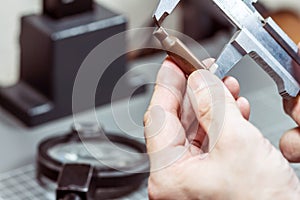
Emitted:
<point x="51" y="55"/>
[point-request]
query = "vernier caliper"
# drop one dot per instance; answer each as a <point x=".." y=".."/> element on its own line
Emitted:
<point x="261" y="39"/>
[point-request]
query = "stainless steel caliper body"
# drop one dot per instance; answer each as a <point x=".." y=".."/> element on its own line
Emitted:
<point x="261" y="39"/>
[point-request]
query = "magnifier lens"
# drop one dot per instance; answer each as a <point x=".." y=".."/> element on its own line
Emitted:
<point x="120" y="164"/>
<point x="97" y="153"/>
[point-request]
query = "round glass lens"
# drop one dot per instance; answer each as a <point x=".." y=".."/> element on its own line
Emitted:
<point x="97" y="153"/>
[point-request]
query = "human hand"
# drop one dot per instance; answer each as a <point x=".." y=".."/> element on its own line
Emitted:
<point x="222" y="155"/>
<point x="290" y="141"/>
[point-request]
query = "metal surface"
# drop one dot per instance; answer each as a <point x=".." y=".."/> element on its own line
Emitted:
<point x="178" y="52"/>
<point x="164" y="9"/>
<point x="261" y="39"/>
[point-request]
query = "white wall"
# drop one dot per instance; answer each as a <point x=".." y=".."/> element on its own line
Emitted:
<point x="138" y="12"/>
<point x="10" y="12"/>
<point x="293" y="5"/>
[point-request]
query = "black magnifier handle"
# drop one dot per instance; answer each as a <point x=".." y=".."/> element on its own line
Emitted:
<point x="75" y="182"/>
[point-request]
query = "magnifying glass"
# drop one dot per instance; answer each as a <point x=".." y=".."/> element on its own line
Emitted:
<point x="91" y="164"/>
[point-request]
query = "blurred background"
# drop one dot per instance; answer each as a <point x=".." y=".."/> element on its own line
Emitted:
<point x="199" y="19"/>
<point x="196" y="18"/>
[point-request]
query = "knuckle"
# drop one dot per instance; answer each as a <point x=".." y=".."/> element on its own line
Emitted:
<point x="204" y="103"/>
<point x="205" y="111"/>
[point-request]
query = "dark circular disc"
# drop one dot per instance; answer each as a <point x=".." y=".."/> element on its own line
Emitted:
<point x="120" y="164"/>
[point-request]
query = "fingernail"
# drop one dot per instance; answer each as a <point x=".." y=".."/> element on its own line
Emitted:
<point x="195" y="79"/>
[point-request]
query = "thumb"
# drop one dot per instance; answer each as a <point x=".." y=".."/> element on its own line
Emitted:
<point x="212" y="103"/>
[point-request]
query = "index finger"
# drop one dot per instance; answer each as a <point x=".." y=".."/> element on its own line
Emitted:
<point x="169" y="87"/>
<point x="162" y="125"/>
